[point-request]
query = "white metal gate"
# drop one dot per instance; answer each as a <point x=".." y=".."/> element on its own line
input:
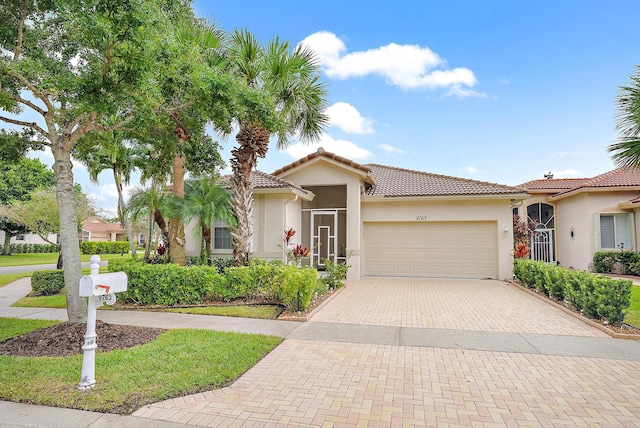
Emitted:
<point x="542" y="245"/>
<point x="324" y="231"/>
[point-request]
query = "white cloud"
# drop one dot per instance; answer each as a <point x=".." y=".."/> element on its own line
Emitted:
<point x="470" y="169"/>
<point x="405" y="66"/>
<point x="565" y="173"/>
<point x="349" y="119"/>
<point x="96" y="197"/>
<point x="391" y="149"/>
<point x="505" y="81"/>
<point x="342" y="148"/>
<point x="461" y="93"/>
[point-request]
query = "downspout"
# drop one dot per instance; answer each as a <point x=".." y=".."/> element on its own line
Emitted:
<point x="284" y="223"/>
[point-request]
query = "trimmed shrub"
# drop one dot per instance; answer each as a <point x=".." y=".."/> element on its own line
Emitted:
<point x="172" y="285"/>
<point x="47" y="282"/>
<point x="31" y="248"/>
<point x="97" y="247"/>
<point x="607" y="261"/>
<point x="596" y="296"/>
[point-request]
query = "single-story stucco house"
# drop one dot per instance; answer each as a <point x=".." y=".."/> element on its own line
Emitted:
<point x="575" y="217"/>
<point x="393" y="221"/>
<point x="96" y="229"/>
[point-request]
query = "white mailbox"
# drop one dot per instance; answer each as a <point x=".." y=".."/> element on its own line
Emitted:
<point x="104" y="283"/>
<point x="99" y="289"/>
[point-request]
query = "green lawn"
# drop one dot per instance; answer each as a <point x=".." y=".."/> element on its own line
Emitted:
<point x="55" y="301"/>
<point x="268" y="312"/>
<point x="45" y="258"/>
<point x="632" y="315"/>
<point x="12" y="327"/>
<point x="179" y="362"/>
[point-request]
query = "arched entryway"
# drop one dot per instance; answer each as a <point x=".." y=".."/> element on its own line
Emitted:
<point x="542" y="243"/>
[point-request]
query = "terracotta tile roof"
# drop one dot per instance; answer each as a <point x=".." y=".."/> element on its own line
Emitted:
<point x="554" y="184"/>
<point x="618" y="178"/>
<point x="262" y="180"/>
<point x="95" y="225"/>
<point x="323" y="153"/>
<point x="397" y="182"/>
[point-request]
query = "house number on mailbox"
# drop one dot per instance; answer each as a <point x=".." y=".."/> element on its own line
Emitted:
<point x="421" y="217"/>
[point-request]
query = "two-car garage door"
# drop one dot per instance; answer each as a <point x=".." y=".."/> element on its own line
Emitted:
<point x="431" y="249"/>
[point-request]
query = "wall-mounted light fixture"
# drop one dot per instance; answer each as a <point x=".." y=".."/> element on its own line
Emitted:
<point x="572" y="233"/>
<point x="506" y="230"/>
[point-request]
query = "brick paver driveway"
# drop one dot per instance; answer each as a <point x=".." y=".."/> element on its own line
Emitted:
<point x="482" y="305"/>
<point x="325" y="383"/>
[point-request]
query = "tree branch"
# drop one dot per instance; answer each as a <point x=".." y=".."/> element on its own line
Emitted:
<point x="33" y="89"/>
<point x="29" y="104"/>
<point x="31" y="125"/>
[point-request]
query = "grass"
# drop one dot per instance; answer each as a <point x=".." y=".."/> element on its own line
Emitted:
<point x="267" y="312"/>
<point x="12" y="327"/>
<point x="179" y="362"/>
<point x="45" y="258"/>
<point x="55" y="301"/>
<point x="632" y="314"/>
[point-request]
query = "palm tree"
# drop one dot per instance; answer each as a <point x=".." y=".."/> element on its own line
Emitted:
<point x="109" y="150"/>
<point x="626" y="152"/>
<point x="291" y="79"/>
<point x="150" y="201"/>
<point x="206" y="202"/>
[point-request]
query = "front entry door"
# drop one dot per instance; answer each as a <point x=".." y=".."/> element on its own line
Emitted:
<point x="324" y="232"/>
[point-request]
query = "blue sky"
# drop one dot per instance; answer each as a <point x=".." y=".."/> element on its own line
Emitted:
<point x="499" y="91"/>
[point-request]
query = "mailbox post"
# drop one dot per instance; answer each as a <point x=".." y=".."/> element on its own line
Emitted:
<point x="99" y="289"/>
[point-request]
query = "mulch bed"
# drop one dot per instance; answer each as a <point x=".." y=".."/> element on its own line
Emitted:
<point x="66" y="339"/>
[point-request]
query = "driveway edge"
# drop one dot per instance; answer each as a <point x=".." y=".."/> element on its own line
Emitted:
<point x="574" y="314"/>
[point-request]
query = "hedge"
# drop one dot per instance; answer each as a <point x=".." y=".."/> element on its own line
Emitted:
<point x="172" y="285"/>
<point x="31" y="248"/>
<point x="596" y="296"/>
<point x="47" y="282"/>
<point x="99" y="247"/>
<point x="624" y="262"/>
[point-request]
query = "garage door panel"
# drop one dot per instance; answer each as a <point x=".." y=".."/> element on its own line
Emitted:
<point x="436" y="249"/>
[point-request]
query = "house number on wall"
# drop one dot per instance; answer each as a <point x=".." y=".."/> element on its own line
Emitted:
<point x="421" y="217"/>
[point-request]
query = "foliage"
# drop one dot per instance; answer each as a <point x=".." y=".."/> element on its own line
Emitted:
<point x="628" y="262"/>
<point x="626" y="152"/>
<point x="335" y="273"/>
<point x="178" y="363"/>
<point x="31" y="248"/>
<point x="47" y="282"/>
<point x="596" y="296"/>
<point x="521" y="250"/>
<point x="104" y="247"/>
<point x="172" y="285"/>
<point x="521" y="237"/>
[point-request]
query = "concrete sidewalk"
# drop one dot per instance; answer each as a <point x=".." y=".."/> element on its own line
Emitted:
<point x="319" y="342"/>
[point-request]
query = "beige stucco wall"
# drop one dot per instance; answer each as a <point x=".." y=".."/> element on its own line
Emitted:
<point x="391" y="210"/>
<point x="578" y="212"/>
<point x="321" y="172"/>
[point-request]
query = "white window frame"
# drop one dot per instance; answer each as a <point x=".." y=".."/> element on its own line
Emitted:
<point x="631" y="245"/>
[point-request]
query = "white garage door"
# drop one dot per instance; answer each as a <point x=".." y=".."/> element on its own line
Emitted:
<point x="431" y="249"/>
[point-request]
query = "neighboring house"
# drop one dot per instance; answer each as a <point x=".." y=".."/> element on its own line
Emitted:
<point x="96" y="229"/>
<point x="29" y="238"/>
<point x="393" y="222"/>
<point x="576" y="217"/>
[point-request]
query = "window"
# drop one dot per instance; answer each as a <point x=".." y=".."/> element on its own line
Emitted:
<point x="221" y="236"/>
<point x="615" y="232"/>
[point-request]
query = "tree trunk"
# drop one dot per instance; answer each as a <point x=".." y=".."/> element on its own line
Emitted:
<point x="123" y="216"/>
<point x="6" y="250"/>
<point x="206" y="243"/>
<point x="76" y="306"/>
<point x="147" y="244"/>
<point x="242" y="204"/>
<point x="176" y="237"/>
